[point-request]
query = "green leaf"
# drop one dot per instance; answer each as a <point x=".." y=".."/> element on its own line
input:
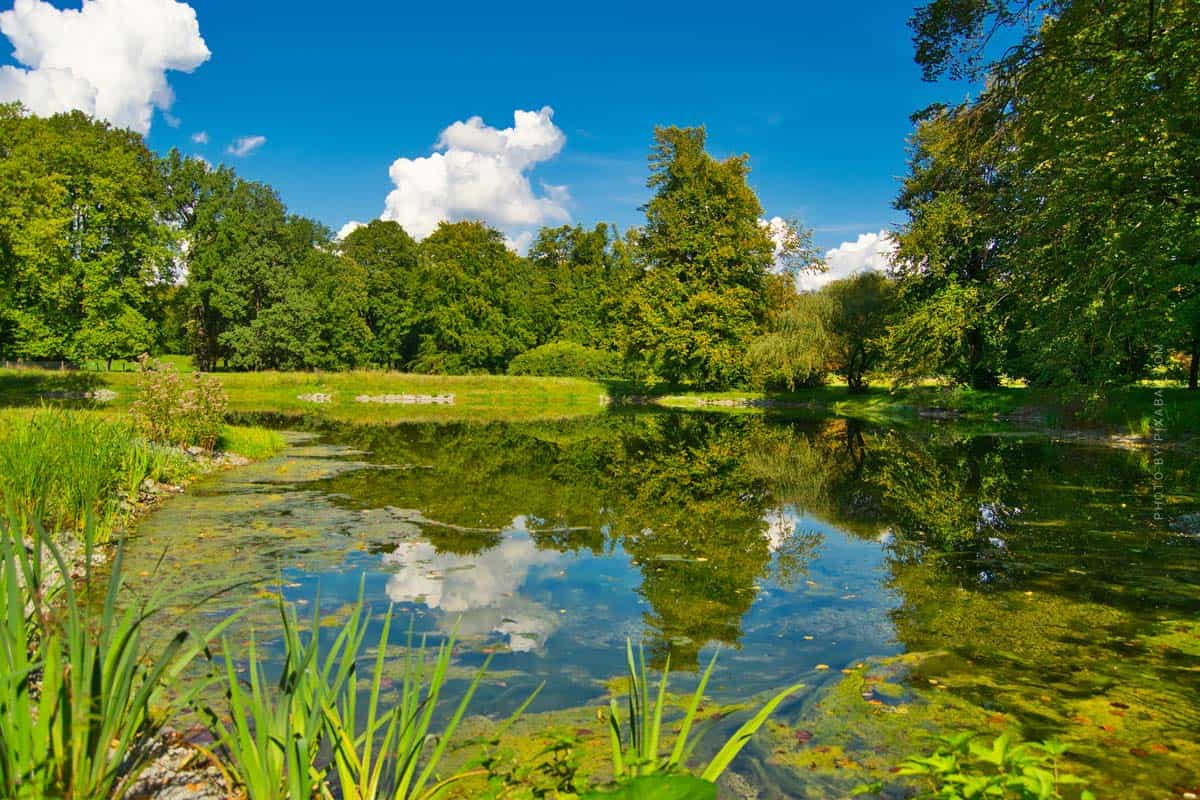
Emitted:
<point x="660" y="787"/>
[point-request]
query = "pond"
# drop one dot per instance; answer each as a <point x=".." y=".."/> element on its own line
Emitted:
<point x="923" y="579"/>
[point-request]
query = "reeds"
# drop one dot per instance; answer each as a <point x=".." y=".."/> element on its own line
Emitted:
<point x="274" y="741"/>
<point x="82" y="699"/>
<point x="637" y="753"/>
<point x="60" y="468"/>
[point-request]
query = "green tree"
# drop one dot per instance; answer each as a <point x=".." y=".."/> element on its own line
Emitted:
<point x="705" y="257"/>
<point x="389" y="257"/>
<point x="471" y="306"/>
<point x="855" y="319"/>
<point x="578" y="283"/>
<point x="237" y="256"/>
<point x="1086" y="206"/>
<point x="81" y="239"/>
<point x="796" y="351"/>
<point x="947" y="261"/>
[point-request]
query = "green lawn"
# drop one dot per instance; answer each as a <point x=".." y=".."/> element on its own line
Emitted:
<point x="482" y="397"/>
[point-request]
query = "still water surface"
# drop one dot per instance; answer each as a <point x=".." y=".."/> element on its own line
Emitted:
<point x="917" y="580"/>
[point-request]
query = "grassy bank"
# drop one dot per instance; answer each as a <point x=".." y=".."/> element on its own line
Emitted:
<point x="68" y="469"/>
<point x="484" y="397"/>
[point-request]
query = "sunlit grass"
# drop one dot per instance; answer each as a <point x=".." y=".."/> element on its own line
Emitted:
<point x="62" y="468"/>
<point x="253" y="443"/>
<point x="476" y="397"/>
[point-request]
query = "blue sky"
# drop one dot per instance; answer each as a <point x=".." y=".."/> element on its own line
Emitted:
<point x="818" y="94"/>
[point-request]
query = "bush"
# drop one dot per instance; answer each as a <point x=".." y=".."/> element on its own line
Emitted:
<point x="176" y="411"/>
<point x="566" y="360"/>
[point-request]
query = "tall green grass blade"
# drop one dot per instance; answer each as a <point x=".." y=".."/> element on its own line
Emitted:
<point x="726" y="754"/>
<point x="679" y="752"/>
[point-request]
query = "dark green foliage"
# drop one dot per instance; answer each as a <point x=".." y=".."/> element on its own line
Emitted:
<point x="388" y="257"/>
<point x="566" y="360"/>
<point x="838" y="329"/>
<point x="856" y="316"/>
<point x="951" y="322"/>
<point x="472" y="311"/>
<point x="1052" y="220"/>
<point x="580" y="277"/>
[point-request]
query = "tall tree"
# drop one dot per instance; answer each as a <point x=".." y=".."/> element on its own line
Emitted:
<point x="238" y="252"/>
<point x="579" y="279"/>
<point x="705" y="258"/>
<point x="855" y="318"/>
<point x="1087" y="122"/>
<point x="388" y="255"/>
<point x="471" y="308"/>
<point x="946" y="262"/>
<point x="81" y="240"/>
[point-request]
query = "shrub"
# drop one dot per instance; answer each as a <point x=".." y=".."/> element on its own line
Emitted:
<point x="177" y="411"/>
<point x="566" y="360"/>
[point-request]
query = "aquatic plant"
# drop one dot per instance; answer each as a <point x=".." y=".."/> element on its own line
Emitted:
<point x="81" y="699"/>
<point x="962" y="768"/>
<point x="638" y="753"/>
<point x="272" y="741"/>
<point x="400" y="764"/>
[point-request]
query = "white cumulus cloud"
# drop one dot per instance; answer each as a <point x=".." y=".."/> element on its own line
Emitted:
<point x="109" y="58"/>
<point x="246" y="145"/>
<point x="347" y="229"/>
<point x="481" y="172"/>
<point x="200" y="137"/>
<point x="869" y="252"/>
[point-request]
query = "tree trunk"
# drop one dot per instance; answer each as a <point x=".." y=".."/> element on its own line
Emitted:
<point x="1194" y="372"/>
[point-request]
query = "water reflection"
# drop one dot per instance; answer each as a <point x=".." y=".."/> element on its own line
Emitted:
<point x="480" y="591"/>
<point x="790" y="543"/>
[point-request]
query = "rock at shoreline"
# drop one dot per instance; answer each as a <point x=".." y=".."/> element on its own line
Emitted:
<point x="407" y="399"/>
<point x="178" y="772"/>
<point x="98" y="395"/>
<point x="315" y="397"/>
<point x="755" y="402"/>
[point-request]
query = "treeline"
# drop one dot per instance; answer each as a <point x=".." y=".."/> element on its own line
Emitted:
<point x="1051" y="237"/>
<point x="107" y="251"/>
